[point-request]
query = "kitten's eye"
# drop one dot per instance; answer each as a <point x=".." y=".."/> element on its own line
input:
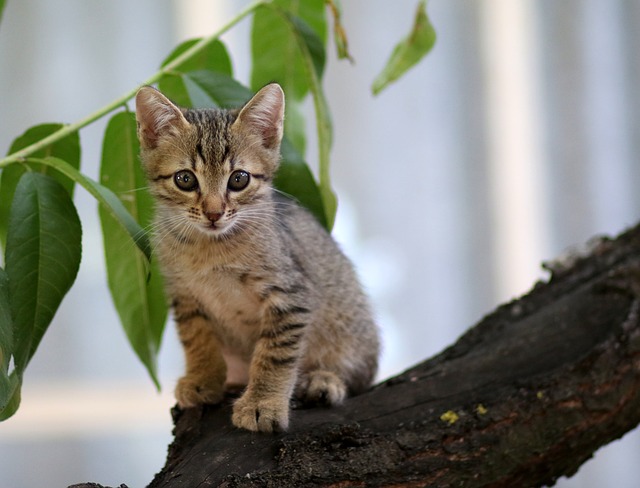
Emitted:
<point x="185" y="180"/>
<point x="238" y="180"/>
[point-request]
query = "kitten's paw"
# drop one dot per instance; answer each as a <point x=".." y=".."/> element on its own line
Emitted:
<point x="264" y="415"/>
<point x="191" y="391"/>
<point x="322" y="387"/>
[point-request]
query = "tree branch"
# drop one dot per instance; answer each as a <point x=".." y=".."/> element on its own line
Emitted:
<point x="524" y="397"/>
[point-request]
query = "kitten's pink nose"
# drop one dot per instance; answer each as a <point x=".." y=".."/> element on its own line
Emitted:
<point x="213" y="216"/>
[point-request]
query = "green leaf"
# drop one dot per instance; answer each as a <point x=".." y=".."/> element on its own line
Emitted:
<point x="9" y="381"/>
<point x="9" y="394"/>
<point x="67" y="149"/>
<point x="6" y="326"/>
<point x="42" y="258"/>
<point x="323" y="120"/>
<point x="213" y="58"/>
<point x="172" y="85"/>
<point x="208" y="89"/>
<point x="276" y="54"/>
<point x="295" y="126"/>
<point x="409" y="51"/>
<point x="295" y="180"/>
<point x="136" y="288"/>
<point x="2" y="5"/>
<point x="106" y="198"/>
<point x="274" y="51"/>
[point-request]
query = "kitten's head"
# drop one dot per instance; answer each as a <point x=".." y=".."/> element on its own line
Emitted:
<point x="206" y="168"/>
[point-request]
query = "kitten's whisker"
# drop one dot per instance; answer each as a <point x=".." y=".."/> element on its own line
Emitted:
<point x="286" y="195"/>
<point x="267" y="214"/>
<point x="169" y="225"/>
<point x="262" y="226"/>
<point x="133" y="190"/>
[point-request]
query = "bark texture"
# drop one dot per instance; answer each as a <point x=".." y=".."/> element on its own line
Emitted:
<point x="523" y="398"/>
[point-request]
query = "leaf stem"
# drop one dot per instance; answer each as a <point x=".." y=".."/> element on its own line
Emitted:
<point x="122" y="100"/>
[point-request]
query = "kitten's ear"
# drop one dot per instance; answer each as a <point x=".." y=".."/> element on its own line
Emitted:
<point x="157" y="117"/>
<point x="263" y="115"/>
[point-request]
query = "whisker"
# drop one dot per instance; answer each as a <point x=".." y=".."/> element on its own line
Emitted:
<point x="133" y="190"/>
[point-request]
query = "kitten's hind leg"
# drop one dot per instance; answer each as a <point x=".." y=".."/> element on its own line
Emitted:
<point x="321" y="387"/>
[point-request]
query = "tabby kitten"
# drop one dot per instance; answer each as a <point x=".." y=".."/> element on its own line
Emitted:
<point x="261" y="294"/>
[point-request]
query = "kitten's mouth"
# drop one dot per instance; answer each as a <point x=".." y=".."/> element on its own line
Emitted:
<point x="213" y="228"/>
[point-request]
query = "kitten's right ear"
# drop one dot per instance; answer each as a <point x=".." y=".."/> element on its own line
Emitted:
<point x="157" y="117"/>
<point x="263" y="115"/>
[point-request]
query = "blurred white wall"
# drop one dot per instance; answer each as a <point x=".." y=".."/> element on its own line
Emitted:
<point x="515" y="138"/>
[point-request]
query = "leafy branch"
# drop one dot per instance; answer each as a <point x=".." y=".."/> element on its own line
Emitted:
<point x="122" y="100"/>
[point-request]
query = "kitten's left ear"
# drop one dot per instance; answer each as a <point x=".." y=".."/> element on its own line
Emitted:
<point x="263" y="115"/>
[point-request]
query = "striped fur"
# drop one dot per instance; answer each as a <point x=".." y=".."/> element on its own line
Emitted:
<point x="261" y="294"/>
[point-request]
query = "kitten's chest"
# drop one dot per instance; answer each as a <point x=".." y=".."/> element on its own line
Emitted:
<point x="233" y="304"/>
<point x="224" y="294"/>
<point x="225" y="282"/>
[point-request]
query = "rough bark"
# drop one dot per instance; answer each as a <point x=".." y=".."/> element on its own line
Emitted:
<point x="523" y="398"/>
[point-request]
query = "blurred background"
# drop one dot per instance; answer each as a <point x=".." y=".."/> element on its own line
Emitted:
<point x="517" y="137"/>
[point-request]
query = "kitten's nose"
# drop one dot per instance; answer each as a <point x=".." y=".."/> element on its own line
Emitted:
<point x="213" y="216"/>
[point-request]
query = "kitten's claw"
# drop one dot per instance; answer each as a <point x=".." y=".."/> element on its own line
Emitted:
<point x="266" y="415"/>
<point x="191" y="392"/>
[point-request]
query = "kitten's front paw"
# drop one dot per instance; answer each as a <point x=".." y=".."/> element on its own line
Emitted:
<point x="191" y="391"/>
<point x="264" y="415"/>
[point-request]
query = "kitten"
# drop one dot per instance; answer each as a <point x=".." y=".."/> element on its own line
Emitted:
<point x="261" y="294"/>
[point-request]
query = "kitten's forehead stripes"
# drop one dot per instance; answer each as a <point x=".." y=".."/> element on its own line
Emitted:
<point x="225" y="155"/>
<point x="199" y="151"/>
<point x="212" y="132"/>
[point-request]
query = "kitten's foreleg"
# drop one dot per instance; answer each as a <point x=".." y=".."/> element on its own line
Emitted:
<point x="206" y="371"/>
<point x="272" y="376"/>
